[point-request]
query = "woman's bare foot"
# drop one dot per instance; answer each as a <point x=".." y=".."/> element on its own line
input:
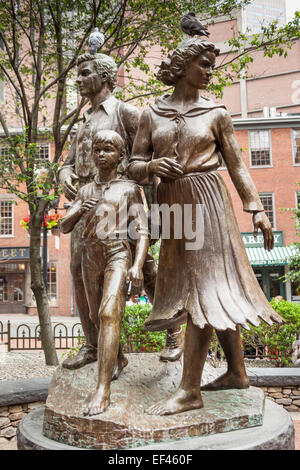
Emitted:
<point x="98" y="404"/>
<point x="121" y="362"/>
<point x="177" y="403"/>
<point x="227" y="381"/>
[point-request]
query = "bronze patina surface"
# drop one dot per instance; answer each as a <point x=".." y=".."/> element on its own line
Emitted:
<point x="125" y="424"/>
<point x="180" y="140"/>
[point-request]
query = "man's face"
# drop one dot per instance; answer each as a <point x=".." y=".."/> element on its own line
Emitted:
<point x="88" y="81"/>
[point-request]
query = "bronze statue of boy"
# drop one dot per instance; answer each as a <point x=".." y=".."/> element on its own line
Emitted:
<point x="106" y="255"/>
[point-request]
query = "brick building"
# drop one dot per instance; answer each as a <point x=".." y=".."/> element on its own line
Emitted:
<point x="266" y="113"/>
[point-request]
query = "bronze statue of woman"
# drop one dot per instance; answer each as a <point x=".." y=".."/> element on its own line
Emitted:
<point x="180" y="139"/>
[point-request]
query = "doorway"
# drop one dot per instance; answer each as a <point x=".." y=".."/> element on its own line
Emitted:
<point x="12" y="288"/>
<point x="270" y="282"/>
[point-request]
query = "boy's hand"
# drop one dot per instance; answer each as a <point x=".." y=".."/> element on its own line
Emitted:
<point x="87" y="205"/>
<point x="135" y="275"/>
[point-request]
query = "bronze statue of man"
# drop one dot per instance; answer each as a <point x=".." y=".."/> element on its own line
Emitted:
<point x="97" y="76"/>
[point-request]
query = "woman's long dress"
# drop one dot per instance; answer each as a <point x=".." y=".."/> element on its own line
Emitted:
<point x="214" y="283"/>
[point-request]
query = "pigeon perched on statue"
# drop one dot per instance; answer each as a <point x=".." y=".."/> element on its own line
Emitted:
<point x="191" y="26"/>
<point x="95" y="41"/>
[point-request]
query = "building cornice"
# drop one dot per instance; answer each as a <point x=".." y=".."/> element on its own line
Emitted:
<point x="267" y="123"/>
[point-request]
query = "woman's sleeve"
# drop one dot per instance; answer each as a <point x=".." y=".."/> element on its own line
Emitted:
<point x="142" y="151"/>
<point x="235" y="164"/>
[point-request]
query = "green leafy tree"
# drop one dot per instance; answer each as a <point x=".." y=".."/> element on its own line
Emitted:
<point x="40" y="42"/>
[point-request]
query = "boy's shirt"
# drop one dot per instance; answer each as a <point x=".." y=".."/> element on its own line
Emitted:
<point x="119" y="214"/>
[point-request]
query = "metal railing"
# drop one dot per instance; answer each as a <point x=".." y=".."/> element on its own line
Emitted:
<point x="28" y="337"/>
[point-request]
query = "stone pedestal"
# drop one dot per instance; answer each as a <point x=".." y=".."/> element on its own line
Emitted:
<point x="125" y="425"/>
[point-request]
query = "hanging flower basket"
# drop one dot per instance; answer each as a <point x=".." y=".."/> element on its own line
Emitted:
<point x="50" y="221"/>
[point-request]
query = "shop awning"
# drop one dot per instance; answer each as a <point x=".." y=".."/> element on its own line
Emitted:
<point x="280" y="255"/>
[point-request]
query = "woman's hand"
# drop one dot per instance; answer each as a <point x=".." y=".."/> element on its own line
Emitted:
<point x="166" y="168"/>
<point x="135" y="275"/>
<point x="260" y="220"/>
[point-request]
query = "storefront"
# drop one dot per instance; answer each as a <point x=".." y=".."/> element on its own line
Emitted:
<point x="14" y="278"/>
<point x="269" y="266"/>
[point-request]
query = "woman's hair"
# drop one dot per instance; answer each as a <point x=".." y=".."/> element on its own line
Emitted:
<point x="172" y="68"/>
<point x="105" y="67"/>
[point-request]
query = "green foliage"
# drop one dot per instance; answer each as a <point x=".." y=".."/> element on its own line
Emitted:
<point x="74" y="350"/>
<point x="277" y="339"/>
<point x="133" y="335"/>
<point x="155" y="249"/>
<point x="294" y="272"/>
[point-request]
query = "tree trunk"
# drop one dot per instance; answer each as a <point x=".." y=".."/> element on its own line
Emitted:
<point x="40" y="293"/>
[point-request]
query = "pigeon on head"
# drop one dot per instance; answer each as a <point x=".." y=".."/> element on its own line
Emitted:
<point x="95" y="41"/>
<point x="191" y="26"/>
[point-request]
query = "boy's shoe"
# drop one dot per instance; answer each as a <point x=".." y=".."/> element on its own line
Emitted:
<point x="174" y="344"/>
<point x="86" y="354"/>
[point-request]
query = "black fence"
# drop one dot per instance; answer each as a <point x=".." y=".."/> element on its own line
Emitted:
<point x="28" y="338"/>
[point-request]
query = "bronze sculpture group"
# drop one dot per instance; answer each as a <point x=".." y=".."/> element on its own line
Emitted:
<point x="179" y="142"/>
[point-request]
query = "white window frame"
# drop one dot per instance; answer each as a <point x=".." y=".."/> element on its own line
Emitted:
<point x="12" y="217"/>
<point x="294" y="146"/>
<point x="297" y="194"/>
<point x="249" y="147"/>
<point x="37" y="169"/>
<point x="53" y="302"/>
<point x="270" y="193"/>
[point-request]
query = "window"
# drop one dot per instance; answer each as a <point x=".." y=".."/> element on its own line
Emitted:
<point x="4" y="153"/>
<point x="296" y="147"/>
<point x="4" y="159"/>
<point x="6" y="218"/>
<point x="52" y="282"/>
<point x="298" y="208"/>
<point x="260" y="151"/>
<point x="43" y="156"/>
<point x="267" y="200"/>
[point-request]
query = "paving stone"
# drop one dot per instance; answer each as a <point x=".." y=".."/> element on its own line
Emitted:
<point x="17" y="416"/>
<point x="15" y="424"/>
<point x="8" y="432"/>
<point x="291" y="408"/>
<point x="32" y="406"/>
<point x="274" y="389"/>
<point x="4" y="422"/>
<point x="276" y="395"/>
<point x="284" y="401"/>
<point x="4" y="414"/>
<point x="15" y="409"/>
